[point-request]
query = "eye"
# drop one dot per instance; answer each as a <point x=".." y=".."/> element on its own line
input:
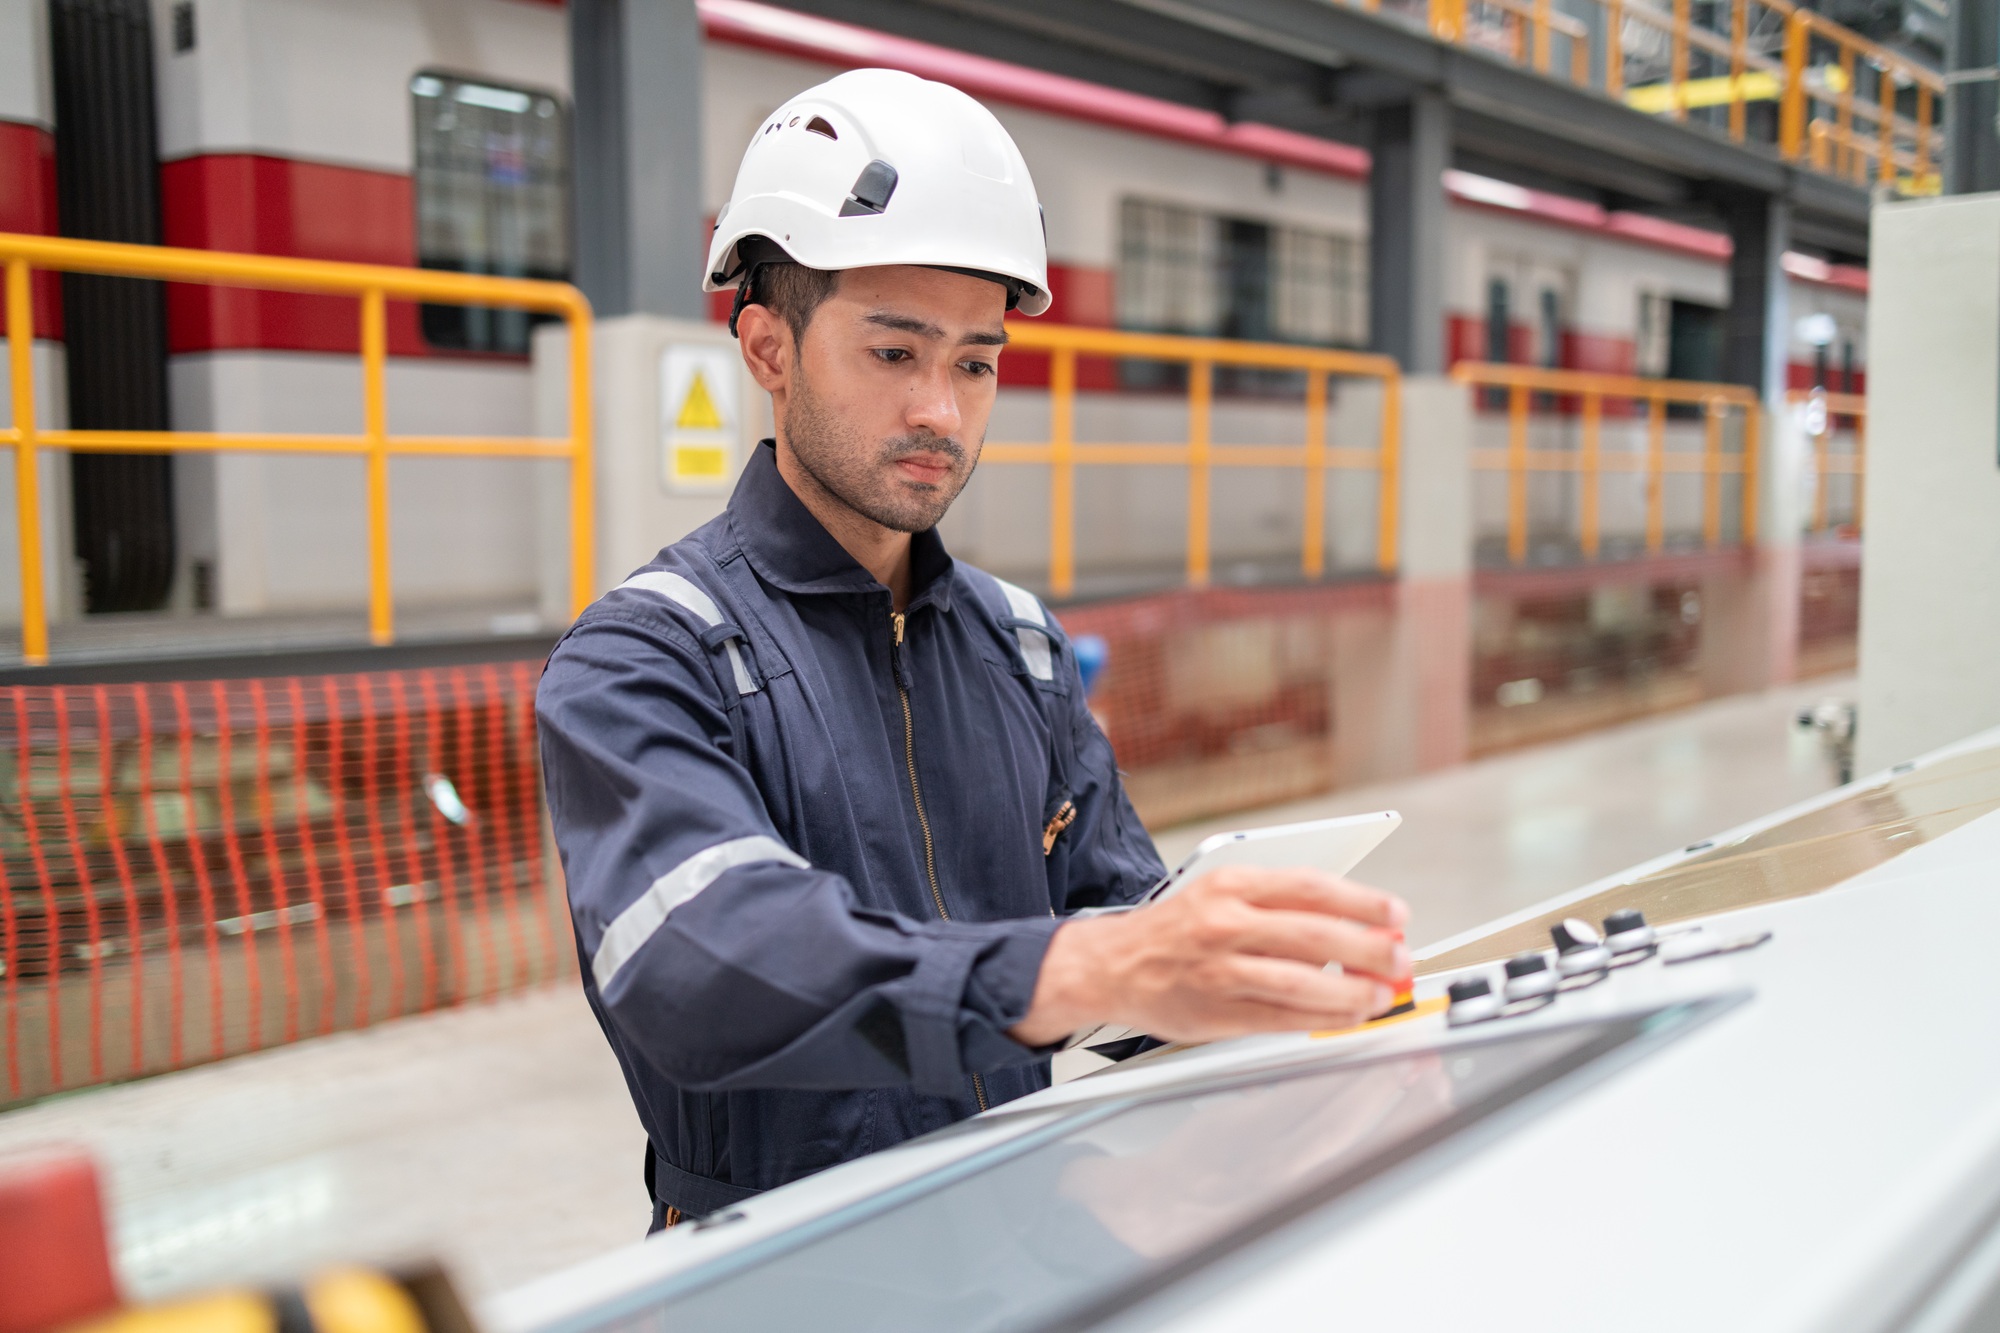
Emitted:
<point x="977" y="368"/>
<point x="891" y="354"/>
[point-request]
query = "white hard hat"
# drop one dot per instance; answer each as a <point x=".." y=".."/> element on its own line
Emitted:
<point x="881" y="167"/>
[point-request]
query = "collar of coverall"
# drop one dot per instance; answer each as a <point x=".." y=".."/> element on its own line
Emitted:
<point x="788" y="547"/>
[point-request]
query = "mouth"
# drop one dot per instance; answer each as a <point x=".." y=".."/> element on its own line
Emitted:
<point x="925" y="469"/>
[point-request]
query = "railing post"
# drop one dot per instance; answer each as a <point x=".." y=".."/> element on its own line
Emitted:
<point x="1541" y="36"/>
<point x="1845" y="156"/>
<point x="1201" y="377"/>
<point x="1678" y="70"/>
<point x="1885" y="167"/>
<point x="1656" y="461"/>
<point x="1447" y="19"/>
<point x="1389" y="477"/>
<point x="1588" y="536"/>
<point x="1614" y="49"/>
<point x="1739" y="33"/>
<point x="375" y="427"/>
<point x="582" y="469"/>
<point x="27" y="464"/>
<point x="1711" y="476"/>
<point x="1858" y="468"/>
<point x="1792" y="111"/>
<point x="1312" y="558"/>
<point x="1751" y="429"/>
<point x="1822" y="447"/>
<point x="1517" y="474"/>
<point x="1923" y="136"/>
<point x="1062" y="472"/>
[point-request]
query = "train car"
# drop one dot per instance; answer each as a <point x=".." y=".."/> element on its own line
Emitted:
<point x="436" y="135"/>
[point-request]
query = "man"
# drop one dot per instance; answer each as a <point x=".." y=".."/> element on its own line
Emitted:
<point x="826" y="799"/>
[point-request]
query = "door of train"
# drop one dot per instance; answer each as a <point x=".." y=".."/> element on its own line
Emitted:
<point x="107" y="188"/>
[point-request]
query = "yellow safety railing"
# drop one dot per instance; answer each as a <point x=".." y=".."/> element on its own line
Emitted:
<point x="1589" y="460"/>
<point x="1831" y="407"/>
<point x="1063" y="453"/>
<point x="1847" y="107"/>
<point x="375" y="285"/>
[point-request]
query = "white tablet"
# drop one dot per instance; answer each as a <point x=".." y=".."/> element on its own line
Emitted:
<point x="1333" y="845"/>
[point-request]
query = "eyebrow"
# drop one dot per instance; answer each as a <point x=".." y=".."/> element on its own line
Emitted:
<point x="925" y="329"/>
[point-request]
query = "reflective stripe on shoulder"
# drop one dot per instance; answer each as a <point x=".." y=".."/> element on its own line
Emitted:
<point x="631" y="928"/>
<point x="1034" y="643"/>
<point x="677" y="589"/>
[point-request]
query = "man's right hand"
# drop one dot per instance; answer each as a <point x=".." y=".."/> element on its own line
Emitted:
<point x="1238" y="951"/>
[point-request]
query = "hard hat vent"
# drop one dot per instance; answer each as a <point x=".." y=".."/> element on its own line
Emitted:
<point x="818" y="125"/>
<point x="872" y="189"/>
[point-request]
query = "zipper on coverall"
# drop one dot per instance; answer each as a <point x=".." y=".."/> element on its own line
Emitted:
<point x="917" y="794"/>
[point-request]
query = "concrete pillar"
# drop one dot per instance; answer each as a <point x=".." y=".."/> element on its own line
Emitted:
<point x="1750" y="617"/>
<point x="1757" y="325"/>
<point x="1402" y="682"/>
<point x="639" y="226"/>
<point x="1972" y="134"/>
<point x="1406" y="232"/>
<point x="1930" y="587"/>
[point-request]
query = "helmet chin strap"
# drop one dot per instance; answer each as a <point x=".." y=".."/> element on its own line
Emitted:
<point x="743" y="297"/>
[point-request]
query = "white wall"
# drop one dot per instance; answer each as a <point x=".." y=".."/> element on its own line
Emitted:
<point x="60" y="584"/>
<point x="328" y="80"/>
<point x="26" y="94"/>
<point x="1930" y="588"/>
<point x="289" y="533"/>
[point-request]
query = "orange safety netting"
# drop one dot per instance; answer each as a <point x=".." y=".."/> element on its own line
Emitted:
<point x="193" y="869"/>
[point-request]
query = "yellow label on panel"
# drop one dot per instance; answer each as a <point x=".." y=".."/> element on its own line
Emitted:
<point x="698" y="408"/>
<point x="701" y="462"/>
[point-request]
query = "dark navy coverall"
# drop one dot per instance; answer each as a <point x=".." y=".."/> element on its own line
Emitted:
<point x="815" y="851"/>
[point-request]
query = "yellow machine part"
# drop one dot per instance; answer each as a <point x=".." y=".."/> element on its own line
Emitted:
<point x="341" y="1300"/>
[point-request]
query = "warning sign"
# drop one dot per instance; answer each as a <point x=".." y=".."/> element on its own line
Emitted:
<point x="699" y="417"/>
<point x="698" y="409"/>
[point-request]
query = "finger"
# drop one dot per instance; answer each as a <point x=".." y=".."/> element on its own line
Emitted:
<point x="1309" y="937"/>
<point x="1317" y="997"/>
<point x="1302" y="888"/>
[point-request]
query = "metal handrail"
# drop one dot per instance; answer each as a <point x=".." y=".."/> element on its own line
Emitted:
<point x="1517" y="460"/>
<point x="1825" y="462"/>
<point x="1062" y="453"/>
<point x="1823" y="123"/>
<point x="375" y="285"/>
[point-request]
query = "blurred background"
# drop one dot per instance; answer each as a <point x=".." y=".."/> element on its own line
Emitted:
<point x="1463" y="410"/>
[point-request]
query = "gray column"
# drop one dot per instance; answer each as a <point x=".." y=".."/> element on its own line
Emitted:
<point x="1406" y="232"/>
<point x="1972" y="142"/>
<point x="635" y="68"/>
<point x="1757" y="323"/>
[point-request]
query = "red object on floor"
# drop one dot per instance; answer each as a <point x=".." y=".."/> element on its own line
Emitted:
<point x="55" y="1266"/>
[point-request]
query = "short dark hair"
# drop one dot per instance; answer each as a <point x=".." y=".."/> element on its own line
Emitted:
<point x="791" y="291"/>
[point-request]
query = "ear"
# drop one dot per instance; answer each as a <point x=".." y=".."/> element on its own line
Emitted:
<point x="765" y="341"/>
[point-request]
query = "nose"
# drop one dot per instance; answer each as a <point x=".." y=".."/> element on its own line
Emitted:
<point x="933" y="403"/>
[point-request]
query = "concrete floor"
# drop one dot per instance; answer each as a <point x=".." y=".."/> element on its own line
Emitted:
<point x="499" y="1139"/>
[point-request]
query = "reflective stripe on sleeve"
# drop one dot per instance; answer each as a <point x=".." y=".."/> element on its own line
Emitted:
<point x="1034" y="643"/>
<point x="681" y="591"/>
<point x="631" y="928"/>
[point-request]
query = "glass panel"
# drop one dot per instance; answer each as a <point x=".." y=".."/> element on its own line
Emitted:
<point x="492" y="196"/>
<point x="1800" y="856"/>
<point x="1110" y="1203"/>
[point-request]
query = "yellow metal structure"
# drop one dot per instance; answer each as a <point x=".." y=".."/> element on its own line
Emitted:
<point x="375" y="285"/>
<point x="1826" y="463"/>
<point x="1062" y="453"/>
<point x="1848" y="107"/>
<point x="1589" y="461"/>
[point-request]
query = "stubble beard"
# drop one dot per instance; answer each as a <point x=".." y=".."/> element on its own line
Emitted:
<point x="862" y="474"/>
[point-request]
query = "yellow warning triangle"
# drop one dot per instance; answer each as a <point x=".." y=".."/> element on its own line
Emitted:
<point x="698" y="409"/>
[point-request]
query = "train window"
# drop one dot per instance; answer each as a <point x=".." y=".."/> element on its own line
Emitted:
<point x="1181" y="270"/>
<point x="1549" y="343"/>
<point x="1650" y="356"/>
<point x="492" y="196"/>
